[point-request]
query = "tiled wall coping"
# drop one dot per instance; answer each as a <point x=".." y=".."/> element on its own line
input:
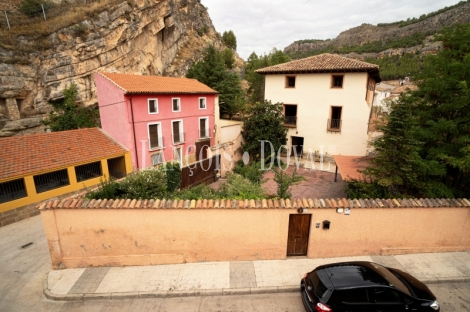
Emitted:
<point x="81" y="203"/>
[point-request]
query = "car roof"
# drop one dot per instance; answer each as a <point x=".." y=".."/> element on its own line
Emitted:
<point x="352" y="274"/>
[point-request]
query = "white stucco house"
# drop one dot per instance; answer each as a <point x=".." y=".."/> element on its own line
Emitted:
<point x="327" y="102"/>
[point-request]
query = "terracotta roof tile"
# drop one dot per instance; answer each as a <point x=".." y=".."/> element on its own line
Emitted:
<point x="320" y="63"/>
<point x="132" y="84"/>
<point x="22" y="155"/>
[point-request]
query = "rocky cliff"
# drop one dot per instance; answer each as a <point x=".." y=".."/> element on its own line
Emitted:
<point x="370" y="33"/>
<point x="148" y="37"/>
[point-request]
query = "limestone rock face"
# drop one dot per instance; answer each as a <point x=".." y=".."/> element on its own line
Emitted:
<point x="148" y="37"/>
<point x="369" y="33"/>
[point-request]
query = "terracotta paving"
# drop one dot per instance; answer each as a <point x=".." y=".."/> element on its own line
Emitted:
<point x="318" y="184"/>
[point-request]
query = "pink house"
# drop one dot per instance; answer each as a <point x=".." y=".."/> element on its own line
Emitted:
<point x="157" y="118"/>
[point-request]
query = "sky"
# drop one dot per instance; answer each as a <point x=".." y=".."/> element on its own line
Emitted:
<point x="261" y="25"/>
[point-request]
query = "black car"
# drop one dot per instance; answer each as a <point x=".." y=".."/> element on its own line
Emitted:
<point x="364" y="286"/>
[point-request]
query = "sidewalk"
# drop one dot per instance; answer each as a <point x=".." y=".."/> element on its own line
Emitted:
<point x="228" y="278"/>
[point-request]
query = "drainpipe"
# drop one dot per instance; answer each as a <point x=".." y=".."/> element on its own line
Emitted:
<point x="133" y="131"/>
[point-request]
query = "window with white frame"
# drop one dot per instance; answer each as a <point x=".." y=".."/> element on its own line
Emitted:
<point x="204" y="127"/>
<point x="176" y="104"/>
<point x="157" y="159"/>
<point x="153" y="106"/>
<point x="202" y="103"/>
<point x="178" y="133"/>
<point x="178" y="155"/>
<point x="155" y="136"/>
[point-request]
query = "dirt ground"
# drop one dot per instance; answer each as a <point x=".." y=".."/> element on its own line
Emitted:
<point x="318" y="184"/>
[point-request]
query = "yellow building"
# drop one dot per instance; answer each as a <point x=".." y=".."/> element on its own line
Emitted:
<point x="46" y="165"/>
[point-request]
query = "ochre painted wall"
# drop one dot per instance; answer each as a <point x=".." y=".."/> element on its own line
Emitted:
<point x="33" y="197"/>
<point x="118" y="237"/>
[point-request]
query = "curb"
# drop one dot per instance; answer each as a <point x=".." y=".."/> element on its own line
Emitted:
<point x="166" y="294"/>
<point x="200" y="292"/>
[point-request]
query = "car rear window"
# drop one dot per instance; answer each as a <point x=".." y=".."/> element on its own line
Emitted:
<point x="318" y="287"/>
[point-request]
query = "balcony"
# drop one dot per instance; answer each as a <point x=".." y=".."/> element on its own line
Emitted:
<point x="204" y="133"/>
<point x="178" y="138"/>
<point x="290" y="121"/>
<point x="333" y="125"/>
<point x="156" y="143"/>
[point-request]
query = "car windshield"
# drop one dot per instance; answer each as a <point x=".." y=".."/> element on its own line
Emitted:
<point x="391" y="279"/>
<point x="318" y="287"/>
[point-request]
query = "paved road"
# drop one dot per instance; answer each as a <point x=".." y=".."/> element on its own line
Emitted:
<point x="22" y="271"/>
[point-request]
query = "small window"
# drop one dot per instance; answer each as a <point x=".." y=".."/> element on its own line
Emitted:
<point x="157" y="159"/>
<point x="88" y="171"/>
<point x="176" y="105"/>
<point x="51" y="180"/>
<point x="202" y="103"/>
<point x="12" y="190"/>
<point x="290" y="81"/>
<point x="155" y="136"/>
<point x="337" y="81"/>
<point x="153" y="106"/>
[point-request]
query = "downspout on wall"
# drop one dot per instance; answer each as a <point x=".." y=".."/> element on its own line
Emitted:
<point x="133" y="131"/>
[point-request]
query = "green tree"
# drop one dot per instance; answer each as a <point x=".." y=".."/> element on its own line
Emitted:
<point x="425" y="149"/>
<point x="228" y="58"/>
<point x="68" y="115"/>
<point x="263" y="121"/>
<point x="228" y="37"/>
<point x="254" y="62"/>
<point x="211" y="71"/>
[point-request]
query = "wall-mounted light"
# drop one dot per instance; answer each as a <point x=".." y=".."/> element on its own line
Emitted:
<point x="326" y="225"/>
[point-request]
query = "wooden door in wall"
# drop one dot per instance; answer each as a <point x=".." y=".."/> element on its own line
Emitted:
<point x="201" y="149"/>
<point x="299" y="229"/>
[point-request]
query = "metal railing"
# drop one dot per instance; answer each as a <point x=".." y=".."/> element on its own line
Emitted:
<point x="51" y="180"/>
<point x="12" y="190"/>
<point x="204" y="133"/>
<point x="88" y="171"/>
<point x="156" y="142"/>
<point x="334" y="125"/>
<point x="178" y="137"/>
<point x="290" y="120"/>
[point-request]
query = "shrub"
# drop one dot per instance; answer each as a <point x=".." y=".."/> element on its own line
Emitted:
<point x="359" y="189"/>
<point x="145" y="184"/>
<point x="251" y="172"/>
<point x="173" y="176"/>
<point x="284" y="182"/>
<point x="201" y="191"/>
<point x="237" y="187"/>
<point x="108" y="189"/>
<point x="33" y="8"/>
<point x="81" y="31"/>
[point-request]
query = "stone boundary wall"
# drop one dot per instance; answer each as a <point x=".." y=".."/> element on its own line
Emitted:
<point x="83" y="233"/>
